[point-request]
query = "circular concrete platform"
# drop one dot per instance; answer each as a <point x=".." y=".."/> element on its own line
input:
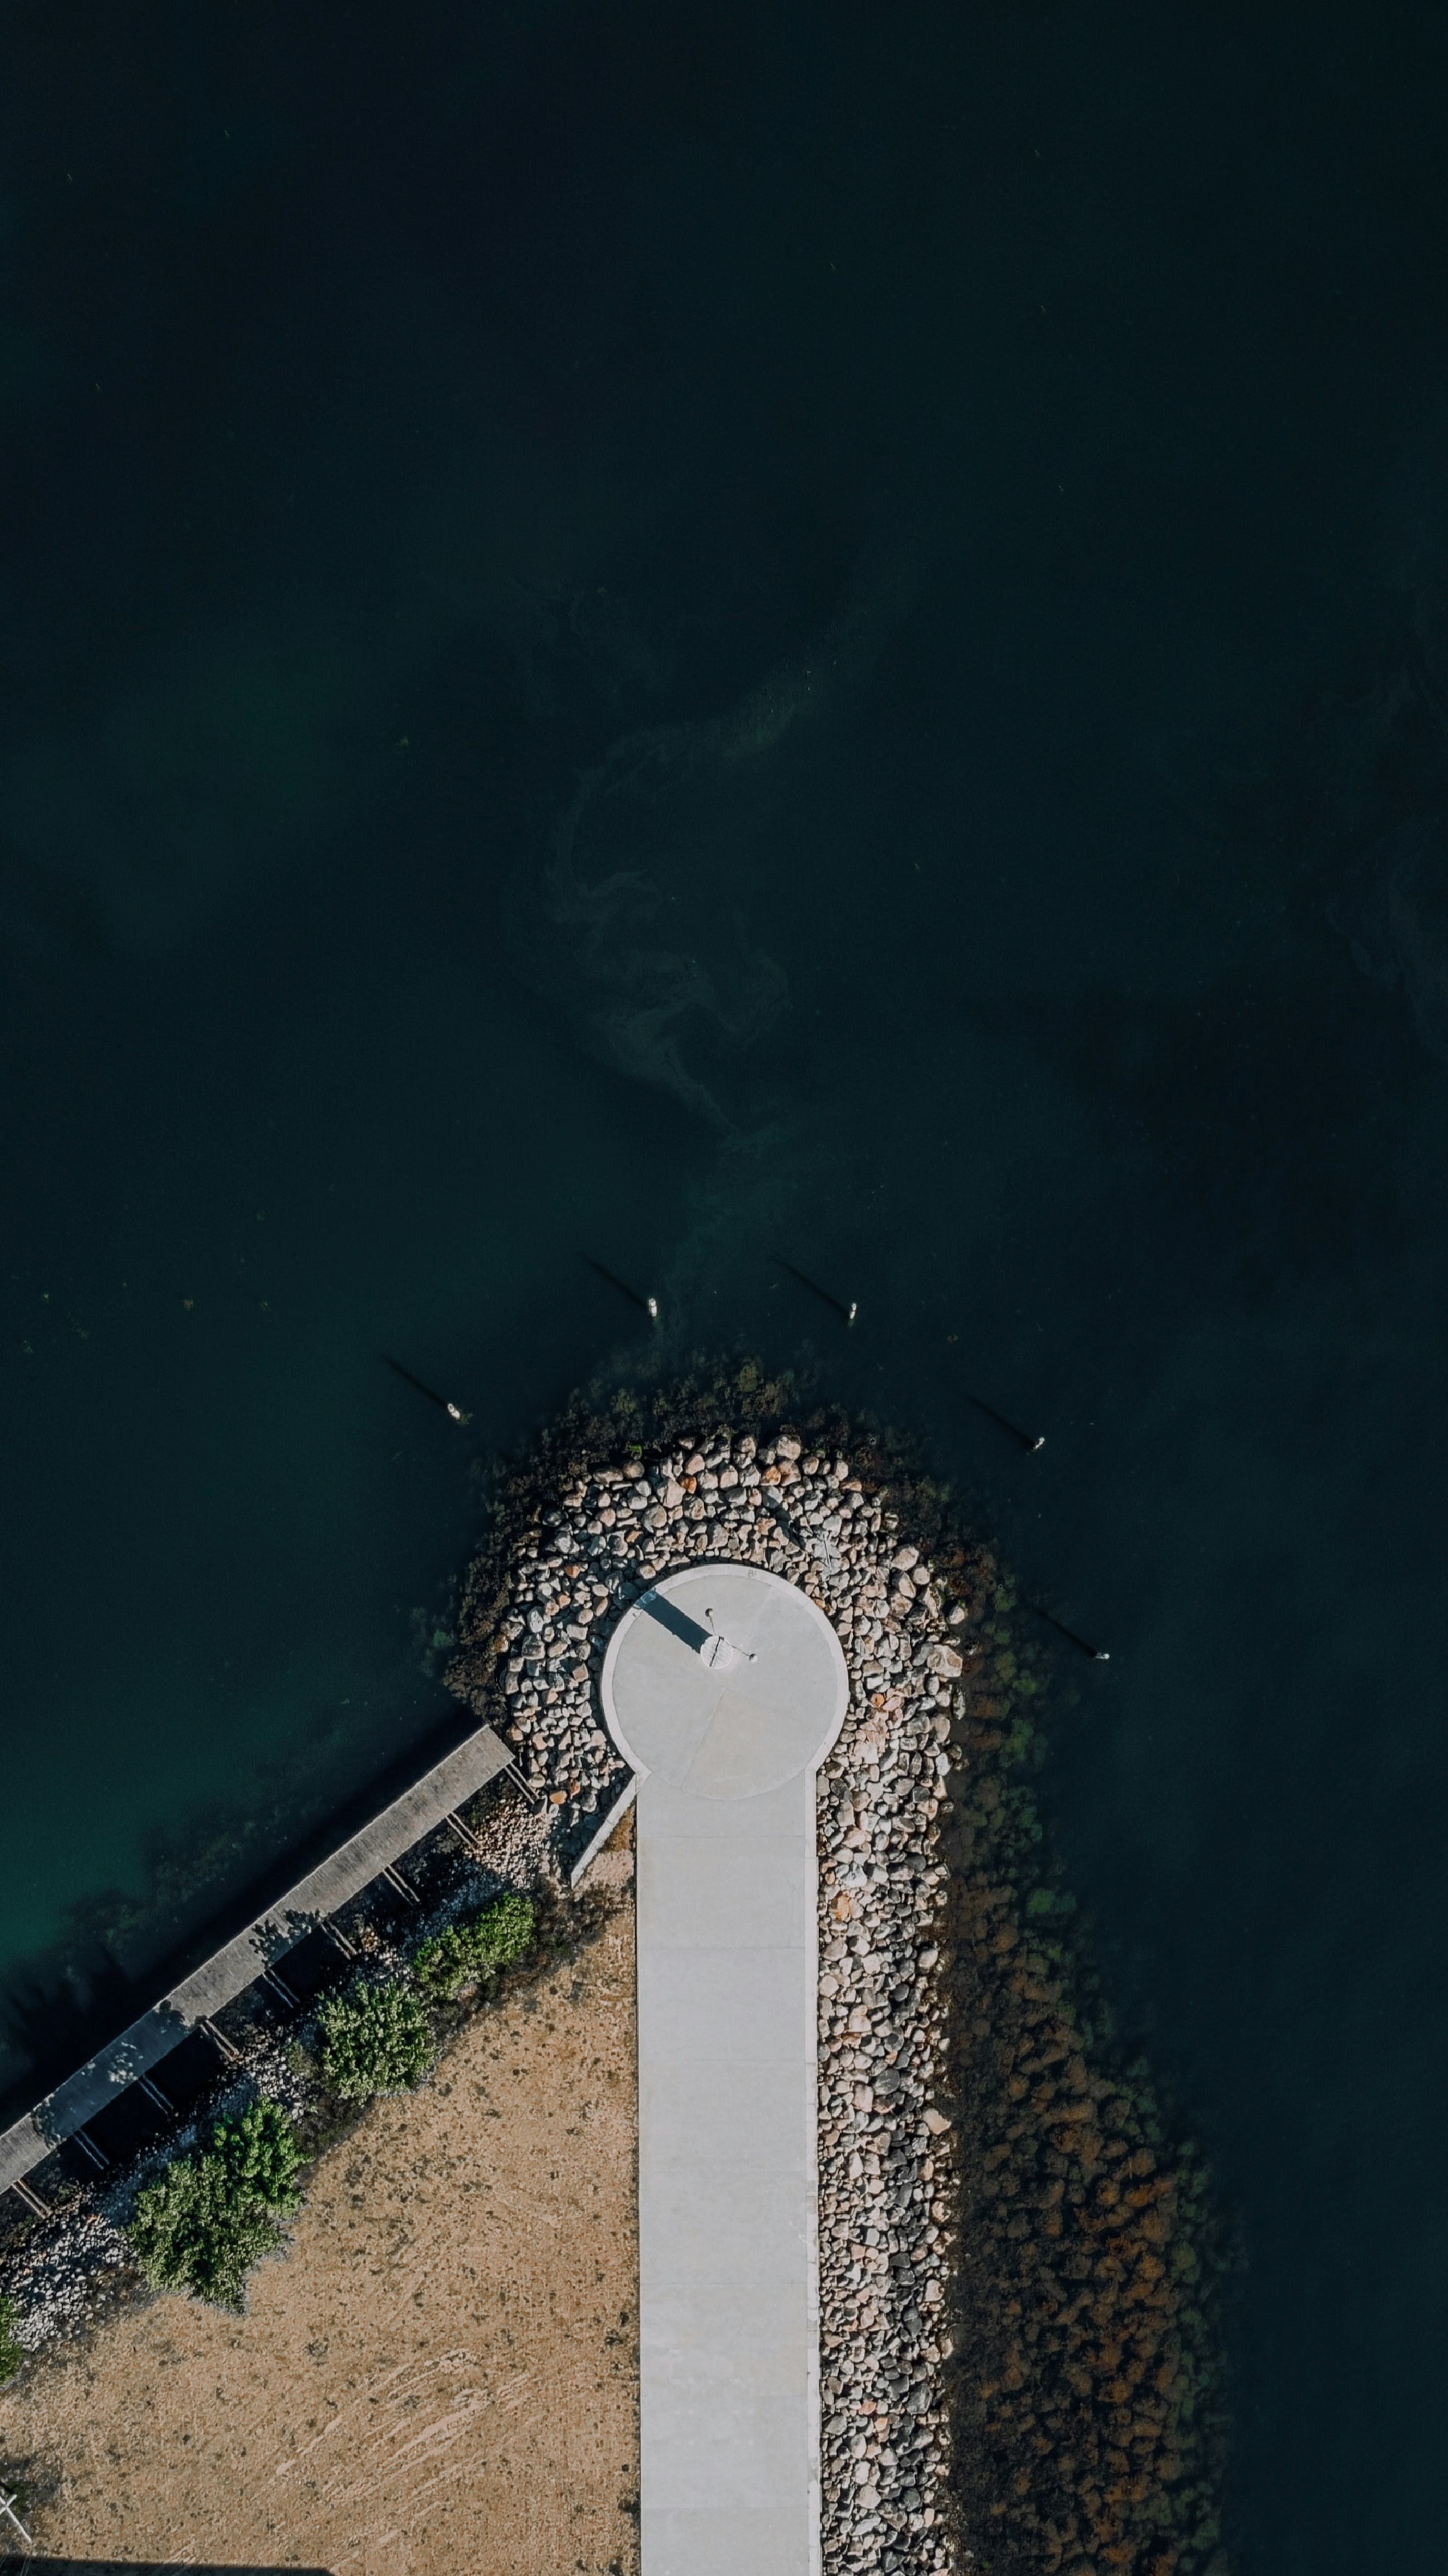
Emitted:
<point x="724" y="1681"/>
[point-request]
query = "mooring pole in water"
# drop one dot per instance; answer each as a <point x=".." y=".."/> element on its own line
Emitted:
<point x="837" y="1305"/>
<point x="1030" y="1441"/>
<point x="1098" y="1654"/>
<point x="454" y="1412"/>
<point x="650" y="1305"/>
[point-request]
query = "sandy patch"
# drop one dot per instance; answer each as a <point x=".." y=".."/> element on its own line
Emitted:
<point x="440" y="2379"/>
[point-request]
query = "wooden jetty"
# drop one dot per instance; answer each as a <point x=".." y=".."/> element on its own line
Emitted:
<point x="306" y="1908"/>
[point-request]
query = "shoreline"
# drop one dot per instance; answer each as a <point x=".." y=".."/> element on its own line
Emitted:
<point x="977" y="2410"/>
<point x="438" y="2374"/>
<point x="1089" y="2441"/>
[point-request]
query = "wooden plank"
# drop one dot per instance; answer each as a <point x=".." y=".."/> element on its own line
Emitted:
<point x="228" y="1973"/>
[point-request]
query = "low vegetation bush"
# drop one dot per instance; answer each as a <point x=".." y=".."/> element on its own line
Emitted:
<point x="211" y="2216"/>
<point x="375" y="2039"/>
<point x="261" y="2156"/>
<point x="468" y="1952"/>
<point x="11" y="2354"/>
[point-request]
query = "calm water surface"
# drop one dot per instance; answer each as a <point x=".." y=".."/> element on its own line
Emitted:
<point x="695" y="634"/>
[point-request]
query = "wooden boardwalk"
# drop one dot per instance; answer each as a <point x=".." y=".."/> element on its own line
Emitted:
<point x="228" y="1973"/>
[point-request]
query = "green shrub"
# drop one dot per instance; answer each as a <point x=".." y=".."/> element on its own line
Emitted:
<point x="11" y="2351"/>
<point x="469" y="1951"/>
<point x="375" y="2039"/>
<point x="211" y="2216"/>
<point x="261" y="2157"/>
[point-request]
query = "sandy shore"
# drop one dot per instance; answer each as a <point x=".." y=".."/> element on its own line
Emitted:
<point x="440" y="2379"/>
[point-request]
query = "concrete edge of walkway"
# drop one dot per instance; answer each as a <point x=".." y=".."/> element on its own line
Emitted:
<point x="615" y="1816"/>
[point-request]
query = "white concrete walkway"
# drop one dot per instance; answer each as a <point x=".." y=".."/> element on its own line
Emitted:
<point x="725" y="1687"/>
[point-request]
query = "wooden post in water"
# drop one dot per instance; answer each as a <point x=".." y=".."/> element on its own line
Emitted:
<point x="650" y="1305"/>
<point x="1030" y="1441"/>
<point x="1098" y="1654"/>
<point x="837" y="1305"/>
<point x="444" y="1403"/>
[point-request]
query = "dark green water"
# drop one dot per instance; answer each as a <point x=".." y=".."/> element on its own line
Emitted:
<point x="692" y="635"/>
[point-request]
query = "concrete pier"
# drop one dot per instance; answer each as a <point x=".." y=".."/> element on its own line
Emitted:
<point x="725" y="1687"/>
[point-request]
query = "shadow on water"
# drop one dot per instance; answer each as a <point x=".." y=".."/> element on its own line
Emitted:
<point x="1030" y="1441"/>
<point x="837" y="1305"/>
<point x="54" y="2022"/>
<point x="648" y="1305"/>
<point x="443" y="1403"/>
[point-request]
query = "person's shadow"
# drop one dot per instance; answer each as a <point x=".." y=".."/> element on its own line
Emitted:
<point x="658" y="1606"/>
